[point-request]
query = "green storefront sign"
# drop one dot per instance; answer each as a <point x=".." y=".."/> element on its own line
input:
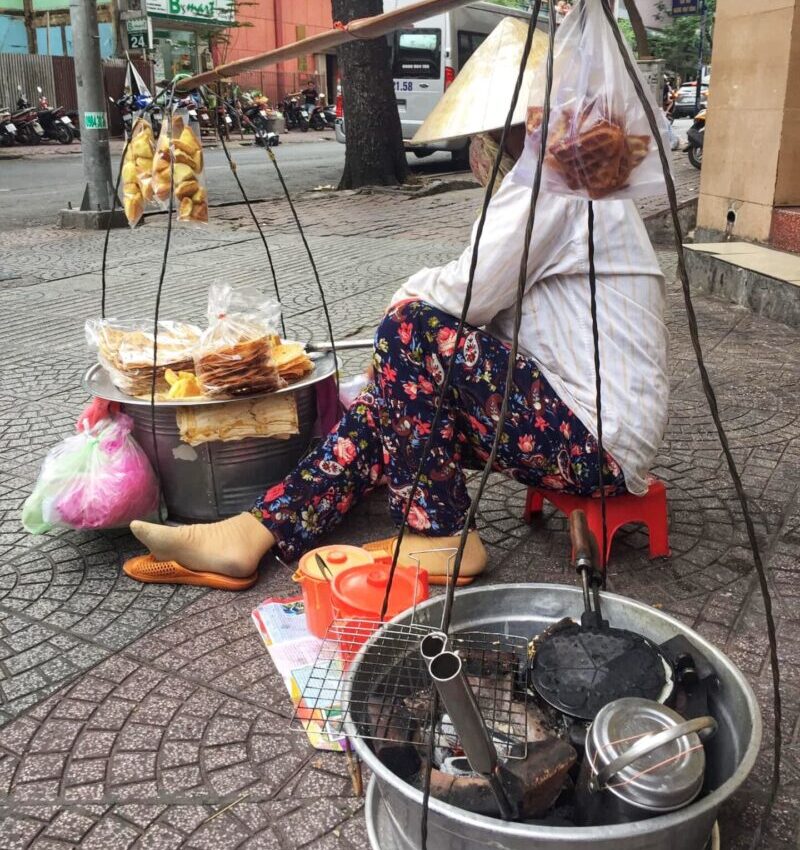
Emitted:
<point x="216" y="12"/>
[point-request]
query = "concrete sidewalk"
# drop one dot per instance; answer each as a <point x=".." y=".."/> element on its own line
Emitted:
<point x="132" y="714"/>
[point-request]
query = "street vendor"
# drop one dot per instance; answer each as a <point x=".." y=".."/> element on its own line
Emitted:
<point x="549" y="435"/>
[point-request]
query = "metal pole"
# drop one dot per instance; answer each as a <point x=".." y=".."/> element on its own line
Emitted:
<point x="700" y="56"/>
<point x="91" y="105"/>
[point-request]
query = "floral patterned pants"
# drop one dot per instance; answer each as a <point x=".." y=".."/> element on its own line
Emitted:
<point x="385" y="430"/>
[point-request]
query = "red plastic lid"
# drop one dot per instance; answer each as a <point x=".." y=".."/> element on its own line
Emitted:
<point x="360" y="590"/>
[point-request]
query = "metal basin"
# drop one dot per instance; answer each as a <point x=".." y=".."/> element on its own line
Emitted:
<point x="525" y="609"/>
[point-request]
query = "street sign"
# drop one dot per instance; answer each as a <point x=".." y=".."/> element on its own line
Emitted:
<point x="140" y="34"/>
<point x="685" y="7"/>
<point x="94" y="121"/>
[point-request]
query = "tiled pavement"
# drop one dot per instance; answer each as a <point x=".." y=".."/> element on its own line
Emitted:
<point x="151" y="717"/>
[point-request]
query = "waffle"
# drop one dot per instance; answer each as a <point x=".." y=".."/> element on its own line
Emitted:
<point x="593" y="154"/>
<point x="242" y="368"/>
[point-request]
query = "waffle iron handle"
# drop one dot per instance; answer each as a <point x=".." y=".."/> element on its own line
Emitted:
<point x="585" y="555"/>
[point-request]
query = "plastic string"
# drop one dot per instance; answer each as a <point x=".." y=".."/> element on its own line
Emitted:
<point x="601" y="455"/>
<point x="711" y="398"/>
<point x="109" y="224"/>
<point x="239" y="183"/>
<point x="446" y="382"/>
<point x="320" y="288"/>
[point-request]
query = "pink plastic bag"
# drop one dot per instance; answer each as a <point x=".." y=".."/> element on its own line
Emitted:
<point x="97" y="478"/>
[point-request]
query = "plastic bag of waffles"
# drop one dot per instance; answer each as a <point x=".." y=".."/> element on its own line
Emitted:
<point x="235" y="354"/>
<point x="599" y="143"/>
<point x="137" y="169"/>
<point x="179" y="143"/>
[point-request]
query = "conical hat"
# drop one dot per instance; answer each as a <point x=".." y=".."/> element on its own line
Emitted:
<point x="477" y="100"/>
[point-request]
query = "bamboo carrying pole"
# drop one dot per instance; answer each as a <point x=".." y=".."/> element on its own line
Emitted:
<point x="357" y="29"/>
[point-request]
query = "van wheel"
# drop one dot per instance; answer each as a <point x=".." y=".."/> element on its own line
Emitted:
<point x="461" y="159"/>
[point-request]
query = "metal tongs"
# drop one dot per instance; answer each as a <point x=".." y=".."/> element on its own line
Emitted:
<point x="586" y="554"/>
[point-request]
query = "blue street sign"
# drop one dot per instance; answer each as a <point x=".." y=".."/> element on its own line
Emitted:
<point x="685" y="7"/>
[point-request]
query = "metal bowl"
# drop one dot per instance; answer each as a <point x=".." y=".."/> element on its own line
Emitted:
<point x="526" y="609"/>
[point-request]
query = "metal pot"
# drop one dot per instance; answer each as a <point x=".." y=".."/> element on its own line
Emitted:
<point x="526" y="609"/>
<point x="642" y="759"/>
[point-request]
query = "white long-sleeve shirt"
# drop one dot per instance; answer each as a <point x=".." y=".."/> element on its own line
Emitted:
<point x="556" y="328"/>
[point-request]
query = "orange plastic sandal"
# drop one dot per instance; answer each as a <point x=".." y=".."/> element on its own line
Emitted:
<point x="385" y="549"/>
<point x="147" y="569"/>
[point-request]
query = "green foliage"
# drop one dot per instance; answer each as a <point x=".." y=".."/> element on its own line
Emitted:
<point x="627" y="30"/>
<point x="514" y="4"/>
<point x="679" y="40"/>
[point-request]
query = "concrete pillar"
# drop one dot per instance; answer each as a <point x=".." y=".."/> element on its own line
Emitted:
<point x="751" y="157"/>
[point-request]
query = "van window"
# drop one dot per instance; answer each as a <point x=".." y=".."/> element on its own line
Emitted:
<point x="468" y="43"/>
<point x="418" y="54"/>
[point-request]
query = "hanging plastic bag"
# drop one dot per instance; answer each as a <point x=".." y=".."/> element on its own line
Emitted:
<point x="234" y="355"/>
<point x="161" y="180"/>
<point x="97" y="478"/>
<point x="137" y="171"/>
<point x="180" y="143"/>
<point x="599" y="144"/>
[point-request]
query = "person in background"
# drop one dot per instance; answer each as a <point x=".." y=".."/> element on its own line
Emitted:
<point x="549" y="436"/>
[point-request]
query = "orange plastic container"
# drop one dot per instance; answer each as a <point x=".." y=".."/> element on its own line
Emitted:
<point x="357" y="597"/>
<point x="316" y="585"/>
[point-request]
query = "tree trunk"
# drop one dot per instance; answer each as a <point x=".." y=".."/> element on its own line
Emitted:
<point x="374" y="153"/>
<point x="642" y="43"/>
<point x="30" y="26"/>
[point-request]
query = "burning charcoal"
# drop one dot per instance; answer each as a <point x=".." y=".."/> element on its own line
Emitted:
<point x="394" y="731"/>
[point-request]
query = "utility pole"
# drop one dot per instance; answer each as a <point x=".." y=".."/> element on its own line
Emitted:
<point x="96" y="204"/>
<point x="30" y="25"/>
<point x="699" y="90"/>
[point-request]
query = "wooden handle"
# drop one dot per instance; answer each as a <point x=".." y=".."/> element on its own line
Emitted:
<point x="581" y="537"/>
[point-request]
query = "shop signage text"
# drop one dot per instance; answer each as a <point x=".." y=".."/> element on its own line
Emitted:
<point x="212" y="11"/>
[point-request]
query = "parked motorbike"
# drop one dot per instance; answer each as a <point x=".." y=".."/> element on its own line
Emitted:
<point x="295" y="114"/>
<point x="695" y="137"/>
<point x="8" y="130"/>
<point x="29" y="130"/>
<point x="255" y="118"/>
<point x="55" y="122"/>
<point x="131" y="105"/>
<point x="322" y="117"/>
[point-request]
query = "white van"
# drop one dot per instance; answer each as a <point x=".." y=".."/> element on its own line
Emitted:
<point x="426" y="58"/>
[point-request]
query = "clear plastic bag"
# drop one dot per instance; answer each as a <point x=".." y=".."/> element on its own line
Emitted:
<point x="125" y="350"/>
<point x="599" y="143"/>
<point x="137" y="171"/>
<point x="97" y="478"/>
<point x="234" y="356"/>
<point x="180" y="142"/>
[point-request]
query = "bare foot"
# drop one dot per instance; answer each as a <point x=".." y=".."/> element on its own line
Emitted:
<point x="232" y="547"/>
<point x="436" y="563"/>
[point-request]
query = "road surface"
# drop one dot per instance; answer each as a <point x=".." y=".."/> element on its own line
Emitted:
<point x="34" y="188"/>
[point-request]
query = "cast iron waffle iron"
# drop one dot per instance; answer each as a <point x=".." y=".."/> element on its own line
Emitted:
<point x="580" y="668"/>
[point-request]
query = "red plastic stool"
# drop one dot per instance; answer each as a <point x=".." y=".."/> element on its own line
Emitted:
<point x="650" y="510"/>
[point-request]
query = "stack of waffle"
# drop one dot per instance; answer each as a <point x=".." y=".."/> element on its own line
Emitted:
<point x="291" y="361"/>
<point x="592" y="154"/>
<point x="127" y="353"/>
<point x="241" y="368"/>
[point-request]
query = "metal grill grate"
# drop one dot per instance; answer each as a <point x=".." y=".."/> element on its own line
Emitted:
<point x="387" y="693"/>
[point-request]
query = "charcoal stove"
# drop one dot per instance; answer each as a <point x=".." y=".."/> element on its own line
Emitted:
<point x="528" y="610"/>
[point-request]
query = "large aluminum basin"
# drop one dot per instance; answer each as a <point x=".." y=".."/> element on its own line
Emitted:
<point x="525" y="609"/>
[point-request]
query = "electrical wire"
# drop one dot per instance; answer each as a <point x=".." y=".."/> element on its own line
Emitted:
<point x="250" y="209"/>
<point x="601" y="455"/>
<point x="447" y="380"/>
<point x="320" y="288"/>
<point x="711" y="398"/>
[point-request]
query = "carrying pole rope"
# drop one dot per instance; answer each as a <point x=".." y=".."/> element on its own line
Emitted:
<point x="320" y="288"/>
<point x="509" y="382"/>
<point x="711" y="398"/>
<point x="110" y="222"/>
<point x="250" y="209"/>
<point x="462" y="321"/>
<point x="601" y="455"/>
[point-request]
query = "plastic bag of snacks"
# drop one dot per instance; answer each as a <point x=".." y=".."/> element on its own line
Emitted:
<point x="188" y="179"/>
<point x="125" y="350"/>
<point x="97" y="478"/>
<point x="234" y="356"/>
<point x="137" y="171"/>
<point x="599" y="143"/>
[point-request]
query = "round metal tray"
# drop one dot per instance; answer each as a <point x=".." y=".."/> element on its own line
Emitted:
<point x="97" y="382"/>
